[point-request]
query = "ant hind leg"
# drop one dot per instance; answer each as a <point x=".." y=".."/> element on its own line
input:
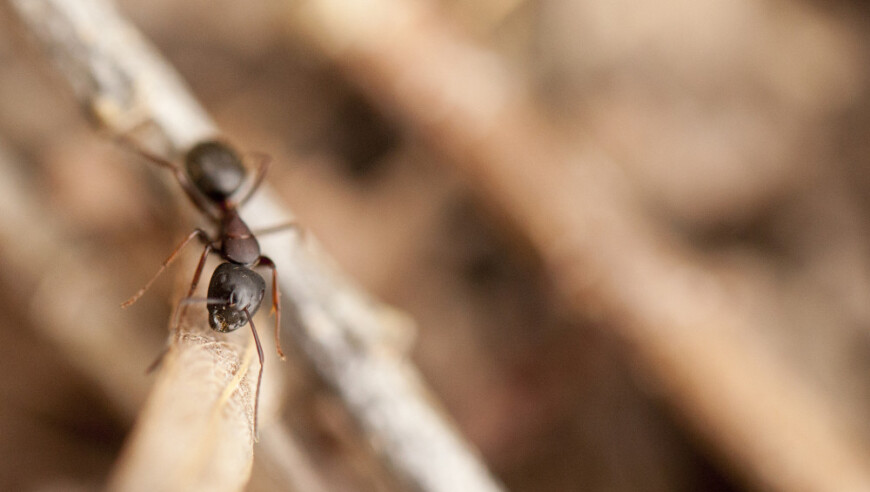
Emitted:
<point x="195" y="196"/>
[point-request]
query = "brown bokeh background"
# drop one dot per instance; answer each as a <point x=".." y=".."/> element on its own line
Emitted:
<point x="740" y="126"/>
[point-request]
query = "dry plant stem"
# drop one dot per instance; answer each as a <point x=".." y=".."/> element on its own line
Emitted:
<point x="344" y="332"/>
<point x="191" y="449"/>
<point x="607" y="259"/>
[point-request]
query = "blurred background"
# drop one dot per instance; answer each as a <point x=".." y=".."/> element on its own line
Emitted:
<point x="740" y="126"/>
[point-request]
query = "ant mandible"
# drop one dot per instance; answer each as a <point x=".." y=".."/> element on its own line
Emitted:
<point x="214" y="173"/>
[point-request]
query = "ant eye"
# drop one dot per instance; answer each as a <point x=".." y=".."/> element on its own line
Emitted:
<point x="233" y="299"/>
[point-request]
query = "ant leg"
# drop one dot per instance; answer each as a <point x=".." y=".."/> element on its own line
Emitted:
<point x="195" y="282"/>
<point x="199" y="266"/>
<point x="265" y="162"/>
<point x="196" y="233"/>
<point x="185" y="183"/>
<point x="276" y="301"/>
<point x="259" y="376"/>
<point x="157" y="360"/>
<point x="139" y="149"/>
<point x="290" y="225"/>
<point x="187" y="300"/>
<point x="198" y="273"/>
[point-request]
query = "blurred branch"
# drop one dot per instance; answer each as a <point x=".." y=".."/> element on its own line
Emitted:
<point x="607" y="258"/>
<point x="348" y="336"/>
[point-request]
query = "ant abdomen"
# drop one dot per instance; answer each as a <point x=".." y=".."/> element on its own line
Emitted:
<point x="240" y="289"/>
<point x="215" y="169"/>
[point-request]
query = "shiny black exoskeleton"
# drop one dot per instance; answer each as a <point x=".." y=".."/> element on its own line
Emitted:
<point x="212" y="174"/>
<point x="239" y="288"/>
<point x="215" y="170"/>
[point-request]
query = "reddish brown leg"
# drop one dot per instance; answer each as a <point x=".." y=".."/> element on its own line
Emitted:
<point x="196" y="233"/>
<point x="201" y="203"/>
<point x="278" y="228"/>
<point x="276" y="301"/>
<point x="198" y="273"/>
<point x="265" y="162"/>
<point x="182" y="306"/>
<point x="259" y="376"/>
<point x="157" y="360"/>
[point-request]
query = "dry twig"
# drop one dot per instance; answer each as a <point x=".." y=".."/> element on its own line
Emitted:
<point x="121" y="81"/>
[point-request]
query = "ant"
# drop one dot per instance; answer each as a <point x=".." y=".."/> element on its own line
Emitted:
<point x="214" y="173"/>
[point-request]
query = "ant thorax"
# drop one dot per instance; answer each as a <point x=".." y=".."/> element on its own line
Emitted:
<point x="238" y="244"/>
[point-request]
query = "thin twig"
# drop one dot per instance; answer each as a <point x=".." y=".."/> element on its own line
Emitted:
<point x="346" y="334"/>
<point x="192" y="450"/>
<point x="608" y="259"/>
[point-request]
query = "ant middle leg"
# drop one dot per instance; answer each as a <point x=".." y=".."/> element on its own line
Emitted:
<point x="276" y="301"/>
<point x="196" y="233"/>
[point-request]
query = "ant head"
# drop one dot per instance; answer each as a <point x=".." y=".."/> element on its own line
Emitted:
<point x="215" y="169"/>
<point x="240" y="288"/>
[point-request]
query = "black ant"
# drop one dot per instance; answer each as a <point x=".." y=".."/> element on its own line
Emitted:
<point x="214" y="173"/>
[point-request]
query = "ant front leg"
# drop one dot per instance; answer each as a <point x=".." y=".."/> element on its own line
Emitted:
<point x="276" y="301"/>
<point x="182" y="305"/>
<point x="259" y="377"/>
<point x="209" y="247"/>
<point x="196" y="233"/>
